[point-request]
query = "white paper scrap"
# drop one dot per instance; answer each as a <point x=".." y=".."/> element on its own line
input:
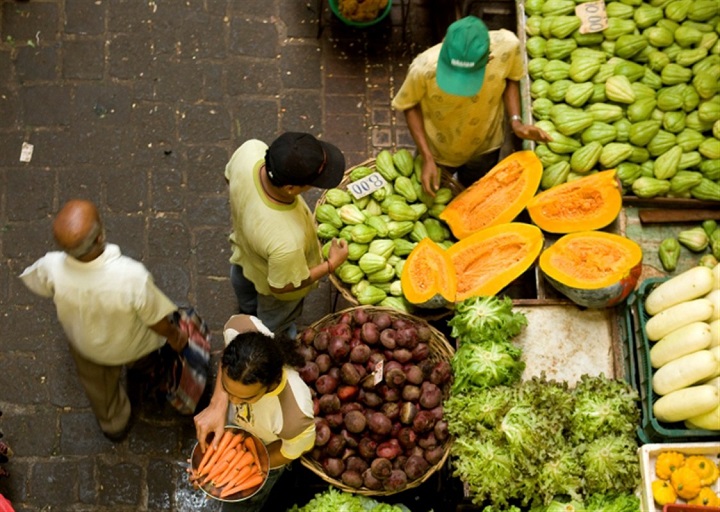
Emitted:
<point x="26" y="152"/>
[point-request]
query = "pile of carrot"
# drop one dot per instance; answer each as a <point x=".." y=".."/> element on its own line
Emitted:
<point x="232" y="467"/>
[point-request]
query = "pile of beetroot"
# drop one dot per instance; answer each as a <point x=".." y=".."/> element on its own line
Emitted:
<point x="378" y="398"/>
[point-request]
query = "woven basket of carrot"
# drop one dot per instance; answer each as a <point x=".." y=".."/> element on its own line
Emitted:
<point x="233" y="472"/>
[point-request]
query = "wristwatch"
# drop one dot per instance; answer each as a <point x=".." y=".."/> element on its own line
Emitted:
<point x="515" y="118"/>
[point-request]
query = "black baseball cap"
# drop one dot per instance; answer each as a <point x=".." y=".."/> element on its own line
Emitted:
<point x="300" y="159"/>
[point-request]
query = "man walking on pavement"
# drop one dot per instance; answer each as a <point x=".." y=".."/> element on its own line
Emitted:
<point x="276" y="259"/>
<point x="109" y="307"/>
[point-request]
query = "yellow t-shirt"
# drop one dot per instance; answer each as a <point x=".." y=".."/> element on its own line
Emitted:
<point x="458" y="128"/>
<point x="274" y="244"/>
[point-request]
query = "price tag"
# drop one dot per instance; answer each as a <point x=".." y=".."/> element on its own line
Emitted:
<point x="366" y="185"/>
<point x="593" y="16"/>
<point x="378" y="373"/>
<point x="26" y="152"/>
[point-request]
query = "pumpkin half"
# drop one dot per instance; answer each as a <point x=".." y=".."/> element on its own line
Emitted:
<point x="588" y="203"/>
<point x="491" y="259"/>
<point x="594" y="269"/>
<point x="428" y="278"/>
<point x="496" y="198"/>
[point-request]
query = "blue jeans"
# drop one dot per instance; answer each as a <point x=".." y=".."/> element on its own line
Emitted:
<point x="256" y="503"/>
<point x="278" y="315"/>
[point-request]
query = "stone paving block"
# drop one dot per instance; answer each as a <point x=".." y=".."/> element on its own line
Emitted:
<point x="9" y="106"/>
<point x="103" y="104"/>
<point x="37" y="63"/>
<point x="300" y="18"/>
<point x="212" y="86"/>
<point x="79" y="183"/>
<point x="193" y="31"/>
<point x="31" y="431"/>
<point x="252" y="38"/>
<point x="301" y="112"/>
<point x="253" y="76"/>
<point x="148" y="439"/>
<point x="130" y="56"/>
<point x="168" y="87"/>
<point x="84" y="18"/>
<point x="160" y="487"/>
<point x="381" y="116"/>
<point x="126" y="231"/>
<point x="168" y="238"/>
<point x="121" y="483"/>
<point x="125" y="199"/>
<point x="347" y="132"/>
<point x="26" y="240"/>
<point x="87" y="492"/>
<point x="212" y="250"/>
<point x="216" y="301"/>
<point x="47" y="105"/>
<point x="22" y="375"/>
<point x="254" y="119"/>
<point x="253" y="9"/>
<point x="130" y="17"/>
<point x="83" y="60"/>
<point x="206" y="169"/>
<point x="381" y="137"/>
<point x="52" y="148"/>
<point x="30" y="327"/>
<point x="204" y="124"/>
<point x="173" y="279"/>
<point x="167" y="189"/>
<point x="14" y="488"/>
<point x="102" y="146"/>
<point x="344" y="85"/>
<point x="301" y="66"/>
<point x="20" y="185"/>
<point x="53" y="483"/>
<point x="23" y="21"/>
<point x="353" y="104"/>
<point x="63" y="384"/>
<point x="81" y="435"/>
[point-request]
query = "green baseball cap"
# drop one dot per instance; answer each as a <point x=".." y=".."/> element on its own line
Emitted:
<point x="463" y="57"/>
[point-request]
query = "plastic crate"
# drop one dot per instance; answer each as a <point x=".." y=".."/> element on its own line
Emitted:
<point x="650" y="429"/>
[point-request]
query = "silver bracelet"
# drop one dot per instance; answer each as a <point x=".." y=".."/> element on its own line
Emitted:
<point x="515" y="118"/>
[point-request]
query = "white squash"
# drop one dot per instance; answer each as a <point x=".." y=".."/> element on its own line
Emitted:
<point x="677" y="316"/>
<point x="689" y="285"/>
<point x="684" y="371"/>
<point x="708" y="421"/>
<point x="715" y="333"/>
<point x="716" y="352"/>
<point x="686" y="403"/>
<point x="714" y="298"/>
<point x="716" y="277"/>
<point x="715" y="381"/>
<point x="685" y="340"/>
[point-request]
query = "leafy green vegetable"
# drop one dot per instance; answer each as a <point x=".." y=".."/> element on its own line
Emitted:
<point x="477" y="410"/>
<point x="627" y="502"/>
<point x="611" y="464"/>
<point x="603" y="406"/>
<point x="333" y="500"/>
<point x="488" y="364"/>
<point x="479" y="319"/>
<point x="561" y="475"/>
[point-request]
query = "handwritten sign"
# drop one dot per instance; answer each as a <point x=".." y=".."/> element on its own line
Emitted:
<point x="592" y="16"/>
<point x="378" y="373"/>
<point x="366" y="185"/>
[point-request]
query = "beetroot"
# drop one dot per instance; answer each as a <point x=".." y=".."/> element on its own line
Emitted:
<point x="441" y="373"/>
<point x="424" y="421"/>
<point x="316" y="406"/>
<point x="371" y="482"/>
<point x="423" y="333"/>
<point x="352" y="479"/>
<point x="321" y="341"/>
<point x="379" y="423"/>
<point x="355" y="463"/>
<point x="322" y="433"/>
<point x="351" y="440"/>
<point x="360" y="353"/>
<point x="338" y="348"/>
<point x="382" y="320"/>
<point x="351" y="406"/>
<point x="407" y="338"/>
<point x="428" y="441"/>
<point x="420" y="352"/>
<point x="397" y="481"/>
<point x="399" y="462"/>
<point x="410" y="393"/>
<point x="326" y="384"/>
<point x="333" y="467"/>
<point x="323" y="362"/>
<point x="308" y="335"/>
<point x="395" y="430"/>
<point x="389" y="394"/>
<point x="394" y="377"/>
<point x="366" y="448"/>
<point x="408" y="411"/>
<point x="370" y="333"/>
<point x="402" y="355"/>
<point x="335" y="419"/>
<point x="434" y="455"/>
<point x="355" y="421"/>
<point x="430" y="395"/>
<point x="308" y="352"/>
<point x="310" y="372"/>
<point x="371" y="399"/>
<point x="407" y="438"/>
<point x="345" y="318"/>
<point x="401" y="323"/>
<point x="335" y="445"/>
<point x="391" y="410"/>
<point x="415" y="467"/>
<point x="381" y="468"/>
<point x="329" y="404"/>
<point x="360" y="316"/>
<point x="349" y="374"/>
<point x="389" y="449"/>
<point x="437" y="412"/>
<point x="441" y="430"/>
<point x="413" y="374"/>
<point x="387" y="338"/>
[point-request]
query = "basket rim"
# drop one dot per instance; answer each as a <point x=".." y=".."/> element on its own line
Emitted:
<point x="439" y="346"/>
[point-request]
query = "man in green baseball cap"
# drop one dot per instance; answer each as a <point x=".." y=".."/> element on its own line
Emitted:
<point x="457" y="96"/>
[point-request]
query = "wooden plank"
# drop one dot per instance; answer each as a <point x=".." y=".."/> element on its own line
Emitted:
<point x="665" y="215"/>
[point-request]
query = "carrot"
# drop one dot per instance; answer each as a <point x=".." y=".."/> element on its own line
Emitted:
<point x="251" y="482"/>
<point x="224" y="441"/>
<point x="236" y="440"/>
<point x="239" y="475"/>
<point x="241" y="459"/>
<point x="252" y="448"/>
<point x="206" y="458"/>
<point x="216" y="471"/>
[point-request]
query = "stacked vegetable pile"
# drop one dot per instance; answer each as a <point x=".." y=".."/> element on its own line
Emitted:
<point x="640" y="96"/>
<point x="529" y="442"/>
<point x="594" y="503"/>
<point x="333" y="500"/>
<point x="697" y="240"/>
<point x="378" y="379"/>
<point x="687" y="478"/>
<point x="383" y="228"/>
<point x="684" y="325"/>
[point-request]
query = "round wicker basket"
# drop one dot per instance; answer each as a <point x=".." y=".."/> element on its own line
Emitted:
<point x="446" y="180"/>
<point x="440" y="349"/>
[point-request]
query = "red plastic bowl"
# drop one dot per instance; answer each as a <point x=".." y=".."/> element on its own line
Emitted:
<point x="677" y="507"/>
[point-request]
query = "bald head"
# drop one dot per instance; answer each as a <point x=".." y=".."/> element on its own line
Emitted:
<point x="77" y="227"/>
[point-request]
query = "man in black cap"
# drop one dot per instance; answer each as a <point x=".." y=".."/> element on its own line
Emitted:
<point x="276" y="259"/>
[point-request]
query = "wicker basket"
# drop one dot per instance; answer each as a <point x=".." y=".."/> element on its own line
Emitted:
<point x="440" y="349"/>
<point x="446" y="180"/>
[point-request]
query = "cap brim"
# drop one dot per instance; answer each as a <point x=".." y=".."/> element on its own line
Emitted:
<point x="452" y="81"/>
<point x="334" y="169"/>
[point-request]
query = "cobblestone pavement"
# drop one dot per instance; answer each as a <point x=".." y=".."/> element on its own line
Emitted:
<point x="137" y="105"/>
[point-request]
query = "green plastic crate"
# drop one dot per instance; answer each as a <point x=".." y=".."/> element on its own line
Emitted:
<point x="650" y="429"/>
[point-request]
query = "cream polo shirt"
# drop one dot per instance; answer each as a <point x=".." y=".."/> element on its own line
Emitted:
<point x="459" y="129"/>
<point x="105" y="305"/>
<point x="274" y="244"/>
<point x="285" y="413"/>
